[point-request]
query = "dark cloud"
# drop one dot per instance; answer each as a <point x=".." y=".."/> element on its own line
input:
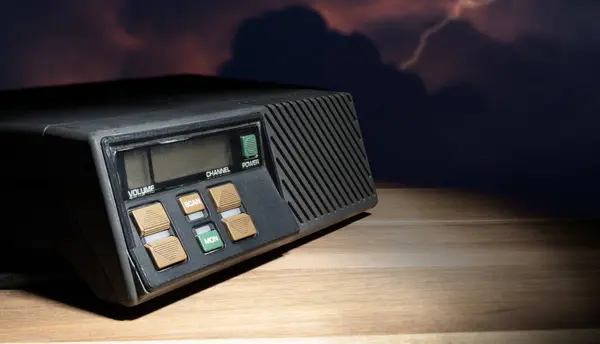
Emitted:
<point x="303" y="50"/>
<point x="459" y="50"/>
<point x="69" y="41"/>
<point x="78" y="41"/>
<point x="573" y="21"/>
<point x="451" y="54"/>
<point x="200" y="17"/>
<point x="524" y="129"/>
<point x="46" y="42"/>
<point x="514" y="106"/>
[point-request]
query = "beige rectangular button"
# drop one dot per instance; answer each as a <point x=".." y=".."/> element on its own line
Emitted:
<point x="225" y="197"/>
<point x="191" y="203"/>
<point x="239" y="226"/>
<point x="166" y="252"/>
<point x="151" y="219"/>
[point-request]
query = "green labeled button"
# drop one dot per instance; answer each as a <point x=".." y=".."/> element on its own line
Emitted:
<point x="249" y="146"/>
<point x="209" y="241"/>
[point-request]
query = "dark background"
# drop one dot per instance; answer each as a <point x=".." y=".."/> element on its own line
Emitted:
<point x="503" y="100"/>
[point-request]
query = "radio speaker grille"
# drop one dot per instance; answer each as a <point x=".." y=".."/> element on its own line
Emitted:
<point x="319" y="157"/>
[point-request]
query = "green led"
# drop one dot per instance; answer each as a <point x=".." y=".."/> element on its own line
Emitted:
<point x="249" y="146"/>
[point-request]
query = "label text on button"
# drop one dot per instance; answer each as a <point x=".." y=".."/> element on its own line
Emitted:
<point x="209" y="241"/>
<point x="191" y="203"/>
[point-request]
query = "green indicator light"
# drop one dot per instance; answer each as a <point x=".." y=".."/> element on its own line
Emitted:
<point x="249" y="146"/>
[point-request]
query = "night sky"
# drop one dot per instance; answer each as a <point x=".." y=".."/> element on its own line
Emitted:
<point x="503" y="99"/>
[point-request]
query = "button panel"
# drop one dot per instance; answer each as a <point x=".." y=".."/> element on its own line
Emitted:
<point x="151" y="219"/>
<point x="231" y="223"/>
<point x="165" y="249"/>
<point x="166" y="252"/>
<point x="225" y="197"/>
<point x="239" y="226"/>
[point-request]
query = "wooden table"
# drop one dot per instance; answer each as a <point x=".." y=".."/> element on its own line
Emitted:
<point x="426" y="266"/>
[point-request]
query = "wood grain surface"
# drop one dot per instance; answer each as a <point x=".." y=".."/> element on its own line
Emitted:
<point x="425" y="266"/>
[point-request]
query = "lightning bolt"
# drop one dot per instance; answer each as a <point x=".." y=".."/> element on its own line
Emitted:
<point x="454" y="13"/>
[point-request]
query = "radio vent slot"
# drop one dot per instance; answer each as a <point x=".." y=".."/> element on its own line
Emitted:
<point x="319" y="156"/>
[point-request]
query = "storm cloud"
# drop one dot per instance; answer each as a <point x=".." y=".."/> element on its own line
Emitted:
<point x="68" y="41"/>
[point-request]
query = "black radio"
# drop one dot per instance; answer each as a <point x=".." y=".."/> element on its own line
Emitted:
<point x="144" y="195"/>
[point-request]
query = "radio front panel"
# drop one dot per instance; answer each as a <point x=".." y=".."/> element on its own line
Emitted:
<point x="163" y="163"/>
<point x="190" y="201"/>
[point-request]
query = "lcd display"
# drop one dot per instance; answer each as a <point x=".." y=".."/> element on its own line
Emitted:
<point x="188" y="157"/>
<point x="169" y="161"/>
<point x="137" y="168"/>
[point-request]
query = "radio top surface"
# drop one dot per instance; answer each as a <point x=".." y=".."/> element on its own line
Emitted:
<point x="158" y="184"/>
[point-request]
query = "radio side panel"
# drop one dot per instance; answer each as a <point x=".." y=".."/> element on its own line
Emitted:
<point x="319" y="158"/>
<point x="32" y="240"/>
<point x="93" y="249"/>
<point x="55" y="195"/>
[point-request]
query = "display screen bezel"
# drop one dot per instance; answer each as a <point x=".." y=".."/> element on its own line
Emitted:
<point x="233" y="133"/>
<point x="182" y="158"/>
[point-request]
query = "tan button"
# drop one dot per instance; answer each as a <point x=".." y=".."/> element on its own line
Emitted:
<point x="166" y="252"/>
<point x="151" y="219"/>
<point x="240" y="226"/>
<point x="191" y="203"/>
<point x="225" y="197"/>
